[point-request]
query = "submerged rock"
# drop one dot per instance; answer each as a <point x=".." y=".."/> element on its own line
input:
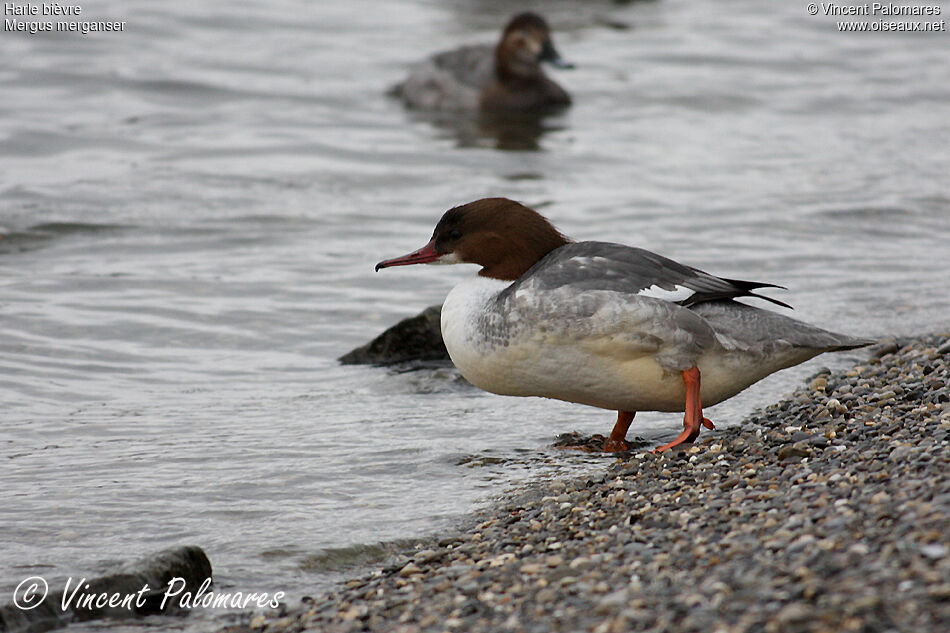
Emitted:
<point x="187" y="564"/>
<point x="417" y="338"/>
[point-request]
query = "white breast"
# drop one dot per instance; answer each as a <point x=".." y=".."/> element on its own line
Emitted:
<point x="465" y="304"/>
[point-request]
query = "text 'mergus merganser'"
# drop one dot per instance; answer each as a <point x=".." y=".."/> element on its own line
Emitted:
<point x="603" y="324"/>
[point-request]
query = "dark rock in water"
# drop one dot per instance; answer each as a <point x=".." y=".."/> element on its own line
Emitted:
<point x="143" y="585"/>
<point x="413" y="339"/>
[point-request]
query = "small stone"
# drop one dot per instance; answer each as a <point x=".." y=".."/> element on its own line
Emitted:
<point x="580" y="563"/>
<point x="425" y="555"/>
<point x="899" y="453"/>
<point x="934" y="551"/>
<point x="885" y="395"/>
<point x="835" y="406"/>
<point x="880" y="497"/>
<point x="794" y="613"/>
<point x="351" y="614"/>
<point x="548" y="594"/>
<point x="731" y="482"/>
<point x="612" y="602"/>
<point x="885" y="347"/>
<point x="258" y="622"/>
<point x="792" y="451"/>
<point x="502" y="560"/>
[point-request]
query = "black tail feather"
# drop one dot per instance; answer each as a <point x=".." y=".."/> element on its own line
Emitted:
<point x="748" y="286"/>
<point x="739" y="289"/>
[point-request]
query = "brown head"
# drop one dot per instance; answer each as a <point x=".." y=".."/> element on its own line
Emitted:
<point x="502" y="236"/>
<point x="524" y="44"/>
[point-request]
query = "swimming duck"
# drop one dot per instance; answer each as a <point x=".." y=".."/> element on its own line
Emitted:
<point x="603" y="324"/>
<point x="504" y="77"/>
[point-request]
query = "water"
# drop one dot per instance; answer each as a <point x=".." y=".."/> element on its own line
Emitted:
<point x="192" y="209"/>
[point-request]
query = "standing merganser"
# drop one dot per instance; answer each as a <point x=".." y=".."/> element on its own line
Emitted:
<point x="601" y="324"/>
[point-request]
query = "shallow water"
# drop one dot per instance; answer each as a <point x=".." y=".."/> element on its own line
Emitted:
<point x="192" y="209"/>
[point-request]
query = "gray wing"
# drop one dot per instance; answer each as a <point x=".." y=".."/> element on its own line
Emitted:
<point x="470" y="65"/>
<point x="586" y="266"/>
<point x="615" y="323"/>
<point x="750" y="329"/>
<point x="448" y="81"/>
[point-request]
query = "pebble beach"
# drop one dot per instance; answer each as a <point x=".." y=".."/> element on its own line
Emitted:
<point x="828" y="511"/>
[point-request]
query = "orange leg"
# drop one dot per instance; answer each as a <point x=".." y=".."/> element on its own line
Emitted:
<point x="693" y="417"/>
<point x="617" y="442"/>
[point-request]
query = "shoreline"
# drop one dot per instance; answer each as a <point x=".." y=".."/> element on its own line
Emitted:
<point x="828" y="511"/>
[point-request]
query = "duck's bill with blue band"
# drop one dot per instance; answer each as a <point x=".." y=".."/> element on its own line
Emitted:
<point x="549" y="54"/>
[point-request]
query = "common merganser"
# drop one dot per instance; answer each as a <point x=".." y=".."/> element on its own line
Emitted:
<point x="503" y="77"/>
<point x="602" y="324"/>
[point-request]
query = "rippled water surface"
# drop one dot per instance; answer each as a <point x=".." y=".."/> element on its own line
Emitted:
<point x="191" y="210"/>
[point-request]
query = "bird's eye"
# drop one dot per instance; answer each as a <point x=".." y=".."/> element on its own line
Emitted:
<point x="455" y="234"/>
